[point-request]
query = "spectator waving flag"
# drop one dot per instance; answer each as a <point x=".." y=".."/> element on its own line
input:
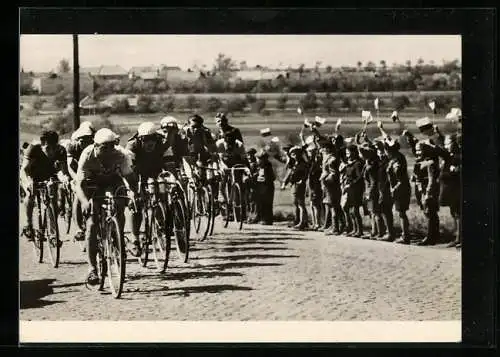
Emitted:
<point x="319" y="120"/>
<point x="395" y="116"/>
<point x="432" y="105"/>
<point x="375" y="102"/>
<point x="366" y="115"/>
<point x="265" y="132"/>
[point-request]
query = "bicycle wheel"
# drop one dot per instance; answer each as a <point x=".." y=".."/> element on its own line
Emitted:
<point x="115" y="257"/>
<point x="179" y="230"/>
<point x="212" y="210"/>
<point x="148" y="223"/>
<point x="237" y="203"/>
<point x="158" y="234"/>
<point x="102" y="264"/>
<point x="51" y="235"/>
<point x="206" y="205"/>
<point x="227" y="206"/>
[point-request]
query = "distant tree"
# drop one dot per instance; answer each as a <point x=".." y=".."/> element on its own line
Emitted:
<point x="224" y="64"/>
<point x="301" y="69"/>
<point x="282" y="100"/>
<point x="63" y="66"/>
<point x="62" y="99"/>
<point x="192" y="103"/>
<point x="383" y="64"/>
<point x="236" y="105"/>
<point x="360" y="65"/>
<point x="243" y="65"/>
<point x="400" y="102"/>
<point x="408" y="65"/>
<point x="144" y="104"/>
<point x="259" y="105"/>
<point x="370" y="66"/>
<point x="120" y="106"/>
<point x="212" y="105"/>
<point x="309" y="101"/>
<point x="328" y="103"/>
<point x="329" y="69"/>
<point x="250" y="98"/>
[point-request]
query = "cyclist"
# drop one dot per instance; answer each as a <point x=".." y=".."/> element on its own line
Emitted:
<point x="175" y="144"/>
<point x="41" y="161"/>
<point x="200" y="141"/>
<point x="147" y="147"/>
<point x="81" y="138"/>
<point x="101" y="167"/>
<point x="222" y="123"/>
<point x="231" y="152"/>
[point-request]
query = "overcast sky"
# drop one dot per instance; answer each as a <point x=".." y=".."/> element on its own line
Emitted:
<point x="43" y="52"/>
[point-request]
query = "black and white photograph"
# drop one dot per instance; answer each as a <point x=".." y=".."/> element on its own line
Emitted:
<point x="240" y="178"/>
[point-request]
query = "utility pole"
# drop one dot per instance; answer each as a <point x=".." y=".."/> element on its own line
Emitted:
<point x="76" y="84"/>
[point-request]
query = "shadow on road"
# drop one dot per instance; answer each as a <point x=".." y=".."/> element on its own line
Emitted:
<point x="74" y="263"/>
<point x="233" y="249"/>
<point x="168" y="275"/>
<point x="238" y="265"/>
<point x="32" y="291"/>
<point x="250" y="256"/>
<point x="188" y="290"/>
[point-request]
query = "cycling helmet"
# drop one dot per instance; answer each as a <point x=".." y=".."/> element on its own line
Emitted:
<point x="146" y="129"/>
<point x="89" y="125"/>
<point x="81" y="132"/>
<point x="105" y="135"/>
<point x="168" y="121"/>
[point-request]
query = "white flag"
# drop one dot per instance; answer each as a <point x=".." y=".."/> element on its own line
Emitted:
<point x="319" y="120"/>
<point x="376" y="103"/>
<point x="456" y="111"/>
<point x="432" y="105"/>
<point x="367" y="115"/>
<point x="299" y="110"/>
<point x="306" y="122"/>
<point x="275" y="139"/>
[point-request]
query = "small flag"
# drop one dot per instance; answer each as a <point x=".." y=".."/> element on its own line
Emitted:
<point x="339" y="121"/>
<point x="310" y="139"/>
<point x="395" y="116"/>
<point x="275" y="139"/>
<point x="299" y="110"/>
<point x="366" y="115"/>
<point x="307" y="123"/>
<point x="456" y="111"/>
<point x="319" y="121"/>
<point x="375" y="102"/>
<point x="432" y="105"/>
<point x="265" y="132"/>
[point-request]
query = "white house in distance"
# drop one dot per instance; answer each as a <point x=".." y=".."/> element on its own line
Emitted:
<point x="55" y="83"/>
<point x="105" y="72"/>
<point x="144" y="72"/>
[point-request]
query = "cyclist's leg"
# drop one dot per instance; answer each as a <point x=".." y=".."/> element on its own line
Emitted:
<point x="29" y="204"/>
<point x="135" y="218"/>
<point x="91" y="238"/>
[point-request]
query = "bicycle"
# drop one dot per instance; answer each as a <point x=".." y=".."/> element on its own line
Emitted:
<point x="111" y="256"/>
<point x="47" y="228"/>
<point x="176" y="217"/>
<point x="234" y="196"/>
<point x="200" y="201"/>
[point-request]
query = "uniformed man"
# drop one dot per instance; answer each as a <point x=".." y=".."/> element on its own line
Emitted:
<point x="352" y="189"/>
<point x="426" y="176"/>
<point x="265" y="178"/>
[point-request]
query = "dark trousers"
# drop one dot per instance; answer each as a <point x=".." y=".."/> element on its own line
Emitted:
<point x="265" y="200"/>
<point x="432" y="224"/>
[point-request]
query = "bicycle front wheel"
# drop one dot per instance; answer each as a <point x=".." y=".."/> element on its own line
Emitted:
<point x="115" y="257"/>
<point x="237" y="203"/>
<point x="180" y="231"/>
<point x="51" y="235"/>
<point x="159" y="235"/>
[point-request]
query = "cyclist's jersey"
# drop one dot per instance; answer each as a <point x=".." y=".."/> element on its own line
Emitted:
<point x="90" y="168"/>
<point x="147" y="163"/>
<point x="74" y="150"/>
<point x="233" y="132"/>
<point x="198" y="139"/>
<point x="231" y="156"/>
<point x="39" y="166"/>
<point x="176" y="147"/>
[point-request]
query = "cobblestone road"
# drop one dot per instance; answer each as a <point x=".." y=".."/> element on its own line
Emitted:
<point x="260" y="273"/>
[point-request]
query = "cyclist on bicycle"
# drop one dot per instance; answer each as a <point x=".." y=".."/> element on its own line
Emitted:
<point x="222" y="123"/>
<point x="41" y="162"/>
<point x="100" y="168"/>
<point x="200" y="142"/>
<point x="147" y="147"/>
<point x="175" y="144"/>
<point x="81" y="138"/>
<point x="231" y="152"/>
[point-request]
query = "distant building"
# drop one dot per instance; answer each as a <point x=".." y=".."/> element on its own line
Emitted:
<point x="64" y="81"/>
<point x="176" y="75"/>
<point x="105" y="72"/>
<point x="146" y="73"/>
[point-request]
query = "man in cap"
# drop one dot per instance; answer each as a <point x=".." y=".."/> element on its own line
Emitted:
<point x="222" y="123"/>
<point x="313" y="179"/>
<point x="42" y="161"/>
<point x="101" y="167"/>
<point x="426" y="177"/>
<point x="428" y="129"/>
<point x="251" y="185"/>
<point x="264" y="178"/>
<point x="81" y="138"/>
<point x="147" y="148"/>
